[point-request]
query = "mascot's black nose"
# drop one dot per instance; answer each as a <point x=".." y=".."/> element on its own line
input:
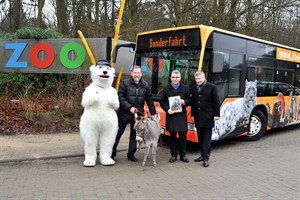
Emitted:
<point x="104" y="72"/>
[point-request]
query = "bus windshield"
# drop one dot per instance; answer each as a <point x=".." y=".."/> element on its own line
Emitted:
<point x="158" y="64"/>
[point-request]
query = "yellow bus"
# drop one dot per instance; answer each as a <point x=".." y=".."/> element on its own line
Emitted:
<point x="257" y="80"/>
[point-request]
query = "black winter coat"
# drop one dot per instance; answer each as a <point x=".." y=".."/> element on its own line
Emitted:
<point x="205" y="105"/>
<point x="176" y="122"/>
<point x="134" y="95"/>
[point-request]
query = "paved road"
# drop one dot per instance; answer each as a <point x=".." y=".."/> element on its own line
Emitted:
<point x="265" y="169"/>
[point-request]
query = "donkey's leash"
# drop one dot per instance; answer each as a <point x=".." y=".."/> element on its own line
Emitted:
<point x="139" y="112"/>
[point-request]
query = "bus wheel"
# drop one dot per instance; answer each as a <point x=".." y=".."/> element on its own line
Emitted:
<point x="258" y="125"/>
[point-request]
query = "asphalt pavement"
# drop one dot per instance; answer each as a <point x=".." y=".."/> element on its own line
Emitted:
<point x="50" y="167"/>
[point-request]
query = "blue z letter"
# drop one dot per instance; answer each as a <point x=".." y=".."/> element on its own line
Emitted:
<point x="13" y="61"/>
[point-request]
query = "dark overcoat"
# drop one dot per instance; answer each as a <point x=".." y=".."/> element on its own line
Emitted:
<point x="176" y="122"/>
<point x="205" y="105"/>
<point x="134" y="95"/>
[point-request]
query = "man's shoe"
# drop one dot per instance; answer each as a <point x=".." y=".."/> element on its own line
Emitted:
<point x="173" y="159"/>
<point x="184" y="159"/>
<point x="200" y="159"/>
<point x="132" y="158"/>
<point x="205" y="163"/>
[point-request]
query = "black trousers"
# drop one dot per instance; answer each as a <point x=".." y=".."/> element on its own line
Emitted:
<point x="132" y="147"/>
<point x="204" y="139"/>
<point x="178" y="145"/>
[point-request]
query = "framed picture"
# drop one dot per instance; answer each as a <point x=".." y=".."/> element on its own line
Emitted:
<point x="174" y="104"/>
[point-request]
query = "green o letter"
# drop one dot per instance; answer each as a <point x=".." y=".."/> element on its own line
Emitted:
<point x="76" y="62"/>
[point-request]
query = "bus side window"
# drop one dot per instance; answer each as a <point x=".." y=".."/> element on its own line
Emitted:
<point x="251" y="73"/>
<point x="236" y="63"/>
<point x="221" y="82"/>
<point x="217" y="62"/>
<point x="269" y="89"/>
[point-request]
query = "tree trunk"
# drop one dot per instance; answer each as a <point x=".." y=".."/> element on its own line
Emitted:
<point x="133" y="6"/>
<point x="89" y="19"/>
<point x="232" y="15"/>
<point x="39" y="20"/>
<point x="214" y="13"/>
<point x="97" y="18"/>
<point x="15" y="14"/>
<point x="62" y="17"/>
<point x="74" y="18"/>
<point x="249" y="18"/>
<point x="112" y="22"/>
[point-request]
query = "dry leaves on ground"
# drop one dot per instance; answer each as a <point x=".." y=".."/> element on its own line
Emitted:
<point x="46" y="118"/>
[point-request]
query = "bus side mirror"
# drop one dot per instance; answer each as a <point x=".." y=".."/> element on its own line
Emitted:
<point x="118" y="46"/>
<point x="217" y="62"/>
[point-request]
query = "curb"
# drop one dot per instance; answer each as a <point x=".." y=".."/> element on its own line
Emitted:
<point x="47" y="157"/>
<point x="40" y="158"/>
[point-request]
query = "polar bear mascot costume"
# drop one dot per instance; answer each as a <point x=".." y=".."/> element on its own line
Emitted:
<point x="99" y="121"/>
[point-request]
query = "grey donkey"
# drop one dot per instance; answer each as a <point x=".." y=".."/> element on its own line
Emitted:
<point x="148" y="131"/>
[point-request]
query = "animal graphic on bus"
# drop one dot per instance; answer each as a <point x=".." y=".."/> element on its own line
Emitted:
<point x="292" y="112"/>
<point x="236" y="113"/>
<point x="284" y="114"/>
<point x="277" y="117"/>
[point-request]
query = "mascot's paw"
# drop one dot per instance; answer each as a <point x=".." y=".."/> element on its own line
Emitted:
<point x="107" y="161"/>
<point x="139" y="139"/>
<point x="89" y="163"/>
<point x="115" y="105"/>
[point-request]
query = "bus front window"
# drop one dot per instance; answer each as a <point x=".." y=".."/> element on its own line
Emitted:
<point x="158" y="65"/>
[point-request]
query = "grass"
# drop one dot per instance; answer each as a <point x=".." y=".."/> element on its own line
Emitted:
<point x="31" y="109"/>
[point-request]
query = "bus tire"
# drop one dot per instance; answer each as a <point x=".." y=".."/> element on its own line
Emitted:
<point x="258" y="126"/>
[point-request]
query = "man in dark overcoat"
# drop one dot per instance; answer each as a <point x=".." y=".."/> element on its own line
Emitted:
<point x="205" y="111"/>
<point x="176" y="122"/>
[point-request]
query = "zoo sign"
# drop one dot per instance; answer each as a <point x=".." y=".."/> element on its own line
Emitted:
<point x="48" y="56"/>
<point x="49" y="52"/>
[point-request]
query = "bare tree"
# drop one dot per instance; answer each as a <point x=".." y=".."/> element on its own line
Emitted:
<point x="15" y="12"/>
<point x="97" y="17"/>
<point x="88" y="19"/>
<point x="107" y="18"/>
<point x="112" y="21"/>
<point x="232" y="19"/>
<point x="249" y="17"/>
<point x="39" y="20"/>
<point x="75" y="18"/>
<point x="130" y="19"/>
<point x="62" y="17"/>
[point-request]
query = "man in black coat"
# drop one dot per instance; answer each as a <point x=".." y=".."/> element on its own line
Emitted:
<point x="176" y="119"/>
<point x="205" y="111"/>
<point x="133" y="93"/>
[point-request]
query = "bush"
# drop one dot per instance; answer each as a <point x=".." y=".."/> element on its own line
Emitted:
<point x="5" y="35"/>
<point x="60" y="85"/>
<point x="32" y="33"/>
